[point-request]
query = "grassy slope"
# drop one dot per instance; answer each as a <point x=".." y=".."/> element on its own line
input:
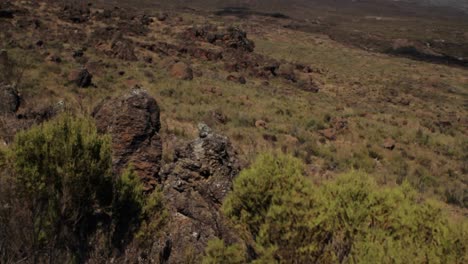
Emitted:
<point x="356" y="85"/>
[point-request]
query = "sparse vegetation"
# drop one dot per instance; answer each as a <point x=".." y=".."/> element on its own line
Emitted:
<point x="365" y="114"/>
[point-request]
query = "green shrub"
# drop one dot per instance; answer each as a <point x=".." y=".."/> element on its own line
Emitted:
<point x="273" y="200"/>
<point x="127" y="205"/>
<point x="134" y="212"/>
<point x="366" y="223"/>
<point x="154" y="217"/>
<point x="62" y="173"/>
<point x="217" y="252"/>
<point x="63" y="189"/>
<point x="259" y="187"/>
<point x="348" y="220"/>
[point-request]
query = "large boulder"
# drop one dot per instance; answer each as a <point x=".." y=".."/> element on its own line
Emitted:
<point x="9" y="99"/>
<point x="133" y="122"/>
<point x="194" y="187"/>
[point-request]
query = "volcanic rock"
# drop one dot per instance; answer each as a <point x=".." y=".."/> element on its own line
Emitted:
<point x="389" y="143"/>
<point x="133" y="122"/>
<point x="54" y="58"/>
<point x="238" y="79"/>
<point x="82" y="78"/>
<point x="328" y="133"/>
<point x="261" y="124"/>
<point x="123" y="49"/>
<point x="231" y="38"/>
<point x="195" y="185"/>
<point x="182" y="71"/>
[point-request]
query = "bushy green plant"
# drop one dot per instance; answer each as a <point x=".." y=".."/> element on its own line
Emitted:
<point x="260" y="187"/>
<point x="273" y="200"/>
<point x="217" y="252"/>
<point x="365" y="222"/>
<point x="348" y="220"/>
<point x="127" y="205"/>
<point x="154" y="217"/>
<point x="134" y="212"/>
<point x="62" y="172"/>
<point x="62" y="186"/>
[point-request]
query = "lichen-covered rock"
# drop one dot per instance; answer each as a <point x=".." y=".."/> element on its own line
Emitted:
<point x="133" y="122"/>
<point x="194" y="186"/>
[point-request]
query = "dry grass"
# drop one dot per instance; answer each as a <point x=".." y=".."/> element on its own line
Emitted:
<point x="356" y="85"/>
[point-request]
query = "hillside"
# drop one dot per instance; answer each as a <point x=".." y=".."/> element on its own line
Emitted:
<point x="155" y="113"/>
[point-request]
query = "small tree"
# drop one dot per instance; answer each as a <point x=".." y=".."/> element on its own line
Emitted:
<point x="348" y="220"/>
<point x="272" y="199"/>
<point x="63" y="175"/>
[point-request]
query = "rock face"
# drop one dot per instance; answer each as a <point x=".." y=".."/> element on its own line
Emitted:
<point x="195" y="185"/>
<point x="133" y="122"/>
<point x="9" y="99"/>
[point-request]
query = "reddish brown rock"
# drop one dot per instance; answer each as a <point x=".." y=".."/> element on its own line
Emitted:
<point x="181" y="71"/>
<point x="81" y="78"/>
<point x="389" y="143"/>
<point x="133" y="122"/>
<point x="261" y="124"/>
<point x="339" y="123"/>
<point x="238" y="79"/>
<point x="230" y="38"/>
<point x="328" y="133"/>
<point x="54" y="58"/>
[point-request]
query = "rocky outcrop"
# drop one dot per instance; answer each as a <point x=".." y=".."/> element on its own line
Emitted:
<point x="194" y="186"/>
<point x="231" y="37"/>
<point x="133" y="122"/>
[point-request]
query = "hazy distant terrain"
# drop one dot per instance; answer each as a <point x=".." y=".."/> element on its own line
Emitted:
<point x="461" y="4"/>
